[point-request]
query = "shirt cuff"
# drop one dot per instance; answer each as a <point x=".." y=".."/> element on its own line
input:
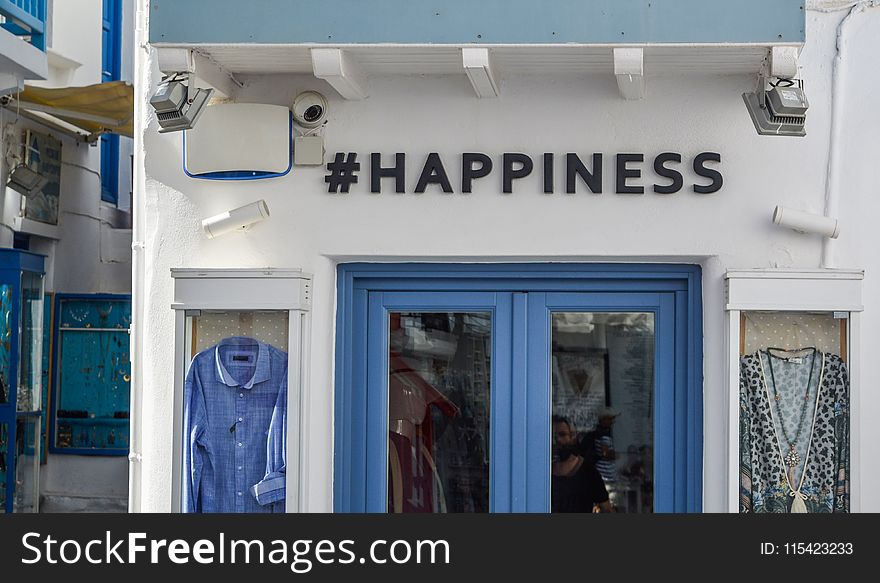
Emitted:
<point x="270" y="489"/>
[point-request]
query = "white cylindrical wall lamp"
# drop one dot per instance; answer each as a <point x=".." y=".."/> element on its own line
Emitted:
<point x="237" y="219"/>
<point x="806" y="222"/>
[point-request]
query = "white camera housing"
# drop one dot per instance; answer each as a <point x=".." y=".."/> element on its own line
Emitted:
<point x="310" y="109"/>
<point x="237" y="219"/>
<point x="803" y="222"/>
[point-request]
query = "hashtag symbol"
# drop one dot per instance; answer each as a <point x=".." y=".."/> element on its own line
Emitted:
<point x="343" y="172"/>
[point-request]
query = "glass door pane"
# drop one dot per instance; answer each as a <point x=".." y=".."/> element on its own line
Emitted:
<point x="602" y="428"/>
<point x="438" y="411"/>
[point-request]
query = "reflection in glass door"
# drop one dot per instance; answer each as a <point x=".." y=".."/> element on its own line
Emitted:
<point x="462" y="390"/>
<point x="602" y="371"/>
<point x="438" y="411"/>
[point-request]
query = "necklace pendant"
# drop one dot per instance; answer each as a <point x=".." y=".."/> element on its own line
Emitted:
<point x="792" y="459"/>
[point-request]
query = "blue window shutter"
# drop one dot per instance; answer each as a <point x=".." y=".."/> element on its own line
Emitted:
<point x="111" y="51"/>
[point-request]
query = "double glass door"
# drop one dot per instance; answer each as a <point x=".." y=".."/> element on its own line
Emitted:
<point x="520" y="402"/>
<point x="518" y="388"/>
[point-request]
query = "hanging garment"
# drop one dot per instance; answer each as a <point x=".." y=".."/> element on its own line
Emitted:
<point x="234" y="428"/>
<point x="415" y="484"/>
<point x="794" y="432"/>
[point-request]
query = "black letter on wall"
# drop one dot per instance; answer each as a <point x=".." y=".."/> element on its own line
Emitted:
<point x="508" y="174"/>
<point x="433" y="173"/>
<point x="548" y="173"/>
<point x="468" y="172"/>
<point x="623" y="173"/>
<point x="673" y="175"/>
<point x="701" y="170"/>
<point x="397" y="172"/>
<point x="574" y="168"/>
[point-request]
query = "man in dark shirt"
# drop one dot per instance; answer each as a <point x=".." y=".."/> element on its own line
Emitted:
<point x="576" y="486"/>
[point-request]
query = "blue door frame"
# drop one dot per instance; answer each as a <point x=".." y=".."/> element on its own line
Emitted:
<point x="521" y="298"/>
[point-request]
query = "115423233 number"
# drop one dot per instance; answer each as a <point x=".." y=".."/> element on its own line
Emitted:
<point x="807" y="548"/>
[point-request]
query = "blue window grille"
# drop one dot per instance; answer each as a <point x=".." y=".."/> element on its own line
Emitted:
<point x="111" y="35"/>
<point x="25" y="18"/>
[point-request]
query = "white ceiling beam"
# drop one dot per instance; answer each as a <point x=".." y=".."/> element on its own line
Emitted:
<point x="338" y="69"/>
<point x="784" y="62"/>
<point x="480" y="70"/>
<point x="201" y="66"/>
<point x="629" y="68"/>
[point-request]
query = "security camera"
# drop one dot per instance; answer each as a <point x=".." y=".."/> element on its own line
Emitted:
<point x="237" y="219"/>
<point x="178" y="105"/>
<point x="310" y="109"/>
<point x="780" y="110"/>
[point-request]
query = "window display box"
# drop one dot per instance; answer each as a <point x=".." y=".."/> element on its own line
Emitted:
<point x="240" y="375"/>
<point x="793" y="389"/>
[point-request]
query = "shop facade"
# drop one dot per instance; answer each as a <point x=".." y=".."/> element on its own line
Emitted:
<point x="556" y="249"/>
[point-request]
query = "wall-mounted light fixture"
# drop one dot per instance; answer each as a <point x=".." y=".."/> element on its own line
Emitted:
<point x="803" y="222"/>
<point x="238" y="219"/>
<point x="778" y="109"/>
<point x="178" y="103"/>
<point x="25" y="180"/>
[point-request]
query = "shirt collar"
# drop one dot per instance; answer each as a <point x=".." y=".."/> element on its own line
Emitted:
<point x="261" y="370"/>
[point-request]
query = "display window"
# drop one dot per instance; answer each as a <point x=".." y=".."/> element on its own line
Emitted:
<point x="794" y="412"/>
<point x="793" y="390"/>
<point x="235" y="412"/>
<point x="238" y="383"/>
<point x="21" y="388"/>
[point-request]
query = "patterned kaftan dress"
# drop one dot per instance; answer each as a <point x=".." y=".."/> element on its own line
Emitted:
<point x="766" y="483"/>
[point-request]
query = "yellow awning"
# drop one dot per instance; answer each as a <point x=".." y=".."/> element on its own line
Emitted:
<point x="96" y="109"/>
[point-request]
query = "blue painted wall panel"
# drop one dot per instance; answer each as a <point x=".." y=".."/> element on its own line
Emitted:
<point x="337" y="22"/>
<point x="90" y="404"/>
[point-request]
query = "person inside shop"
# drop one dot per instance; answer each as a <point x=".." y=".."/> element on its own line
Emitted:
<point x="597" y="446"/>
<point x="576" y="485"/>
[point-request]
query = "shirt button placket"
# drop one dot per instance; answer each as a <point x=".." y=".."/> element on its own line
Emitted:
<point x="239" y="451"/>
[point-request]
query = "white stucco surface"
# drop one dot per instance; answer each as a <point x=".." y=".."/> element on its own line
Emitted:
<point x="314" y="230"/>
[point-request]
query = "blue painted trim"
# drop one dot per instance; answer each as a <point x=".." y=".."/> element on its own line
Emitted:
<point x="339" y="22"/>
<point x="667" y="449"/>
<point x="56" y="373"/>
<point x="519" y="454"/>
<point x="501" y="437"/>
<point x="111" y="63"/>
<point x="26" y="21"/>
<point x="376" y="458"/>
<point x="242" y="174"/>
<point x="110" y="168"/>
<point x="676" y="289"/>
<point x="695" y="385"/>
<point x="19" y="259"/>
<point x="537" y="405"/>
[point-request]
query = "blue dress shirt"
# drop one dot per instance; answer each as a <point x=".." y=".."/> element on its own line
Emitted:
<point x="235" y="428"/>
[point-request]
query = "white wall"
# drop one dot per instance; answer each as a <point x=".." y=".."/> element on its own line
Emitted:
<point x="689" y="114"/>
